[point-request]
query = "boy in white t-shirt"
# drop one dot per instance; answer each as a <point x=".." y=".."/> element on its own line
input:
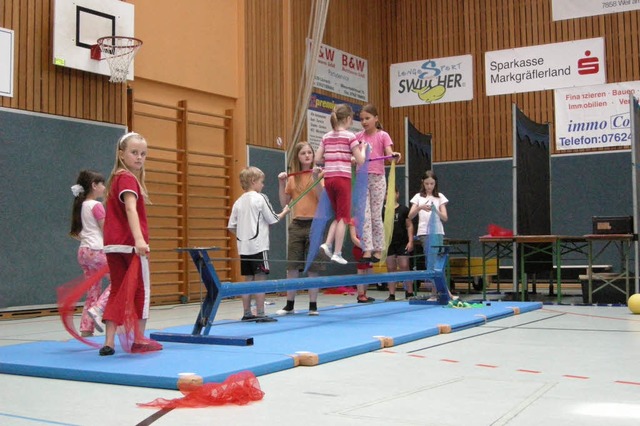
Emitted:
<point x="251" y="216"/>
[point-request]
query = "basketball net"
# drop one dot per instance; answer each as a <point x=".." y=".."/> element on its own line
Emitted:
<point x="119" y="52"/>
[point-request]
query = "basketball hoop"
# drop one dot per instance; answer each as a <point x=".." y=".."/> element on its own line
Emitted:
<point x="118" y="51"/>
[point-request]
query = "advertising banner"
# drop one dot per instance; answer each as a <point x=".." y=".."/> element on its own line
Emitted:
<point x="432" y="81"/>
<point x="594" y="116"/>
<point x="342" y="73"/>
<point x="568" y="9"/>
<point x="318" y="117"/>
<point x="544" y="67"/>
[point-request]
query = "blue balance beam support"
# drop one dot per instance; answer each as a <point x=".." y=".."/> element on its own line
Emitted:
<point x="216" y="291"/>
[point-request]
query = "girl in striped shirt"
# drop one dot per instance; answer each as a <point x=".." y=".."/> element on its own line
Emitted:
<point x="336" y="151"/>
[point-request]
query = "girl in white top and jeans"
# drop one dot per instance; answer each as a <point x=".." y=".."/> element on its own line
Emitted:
<point x="423" y="204"/>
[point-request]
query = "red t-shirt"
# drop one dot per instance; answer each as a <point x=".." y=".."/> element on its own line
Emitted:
<point x="116" y="225"/>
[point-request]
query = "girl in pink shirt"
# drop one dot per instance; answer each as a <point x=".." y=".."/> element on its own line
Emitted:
<point x="381" y="145"/>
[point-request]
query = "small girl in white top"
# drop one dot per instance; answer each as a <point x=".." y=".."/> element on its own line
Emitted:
<point x="87" y="220"/>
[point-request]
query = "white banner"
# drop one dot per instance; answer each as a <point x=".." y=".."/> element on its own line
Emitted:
<point x="544" y="67"/>
<point x="432" y="81"/>
<point x="594" y="116"/>
<point x="342" y="73"/>
<point x="568" y="9"/>
<point x="6" y="62"/>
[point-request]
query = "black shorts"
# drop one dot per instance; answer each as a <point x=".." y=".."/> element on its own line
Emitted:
<point x="254" y="264"/>
<point x="398" y="250"/>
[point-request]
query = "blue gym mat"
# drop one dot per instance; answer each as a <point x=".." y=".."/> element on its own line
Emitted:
<point x="338" y="332"/>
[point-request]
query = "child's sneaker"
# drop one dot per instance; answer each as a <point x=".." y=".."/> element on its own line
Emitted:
<point x="338" y="259"/>
<point x="313" y="313"/>
<point x="284" y="311"/>
<point x="365" y="299"/>
<point x="96" y="316"/>
<point x="326" y="248"/>
<point x="391" y="298"/>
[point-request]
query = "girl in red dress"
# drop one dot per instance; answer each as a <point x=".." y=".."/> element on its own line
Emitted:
<point x="126" y="235"/>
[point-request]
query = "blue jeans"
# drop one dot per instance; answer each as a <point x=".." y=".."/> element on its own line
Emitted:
<point x="430" y="243"/>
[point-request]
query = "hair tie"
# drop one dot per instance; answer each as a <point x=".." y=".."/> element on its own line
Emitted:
<point x="77" y="190"/>
<point x="126" y="136"/>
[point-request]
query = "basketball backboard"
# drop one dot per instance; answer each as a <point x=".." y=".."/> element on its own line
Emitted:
<point x="77" y="24"/>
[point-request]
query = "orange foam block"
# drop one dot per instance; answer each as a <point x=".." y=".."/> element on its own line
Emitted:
<point x="385" y="341"/>
<point x="306" y="359"/>
<point x="444" y="328"/>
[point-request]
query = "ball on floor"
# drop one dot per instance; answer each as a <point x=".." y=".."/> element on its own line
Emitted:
<point x="634" y="303"/>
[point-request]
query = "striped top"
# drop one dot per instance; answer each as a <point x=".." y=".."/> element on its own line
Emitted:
<point x="338" y="145"/>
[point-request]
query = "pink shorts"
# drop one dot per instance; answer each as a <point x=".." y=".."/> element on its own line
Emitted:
<point x="339" y="193"/>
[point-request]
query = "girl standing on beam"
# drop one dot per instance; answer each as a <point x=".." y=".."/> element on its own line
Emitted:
<point x="380" y="144"/>
<point x="335" y="152"/>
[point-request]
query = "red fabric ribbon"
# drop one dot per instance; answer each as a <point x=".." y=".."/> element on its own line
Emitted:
<point x="69" y="294"/>
<point x="239" y="389"/>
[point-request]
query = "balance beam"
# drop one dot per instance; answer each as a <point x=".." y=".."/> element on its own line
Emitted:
<point x="216" y="291"/>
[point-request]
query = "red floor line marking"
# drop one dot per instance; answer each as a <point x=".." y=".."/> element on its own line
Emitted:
<point x="389" y="352"/>
<point x="521" y="370"/>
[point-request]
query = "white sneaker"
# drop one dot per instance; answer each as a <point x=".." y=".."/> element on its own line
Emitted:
<point x="327" y="250"/>
<point x="313" y="313"/>
<point x="284" y="312"/>
<point x="96" y="316"/>
<point x="338" y="259"/>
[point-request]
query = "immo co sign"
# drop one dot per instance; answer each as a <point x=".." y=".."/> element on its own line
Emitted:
<point x="544" y="67"/>
<point x="594" y="116"/>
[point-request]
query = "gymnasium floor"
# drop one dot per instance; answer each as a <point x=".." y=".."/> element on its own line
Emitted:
<point x="559" y="365"/>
